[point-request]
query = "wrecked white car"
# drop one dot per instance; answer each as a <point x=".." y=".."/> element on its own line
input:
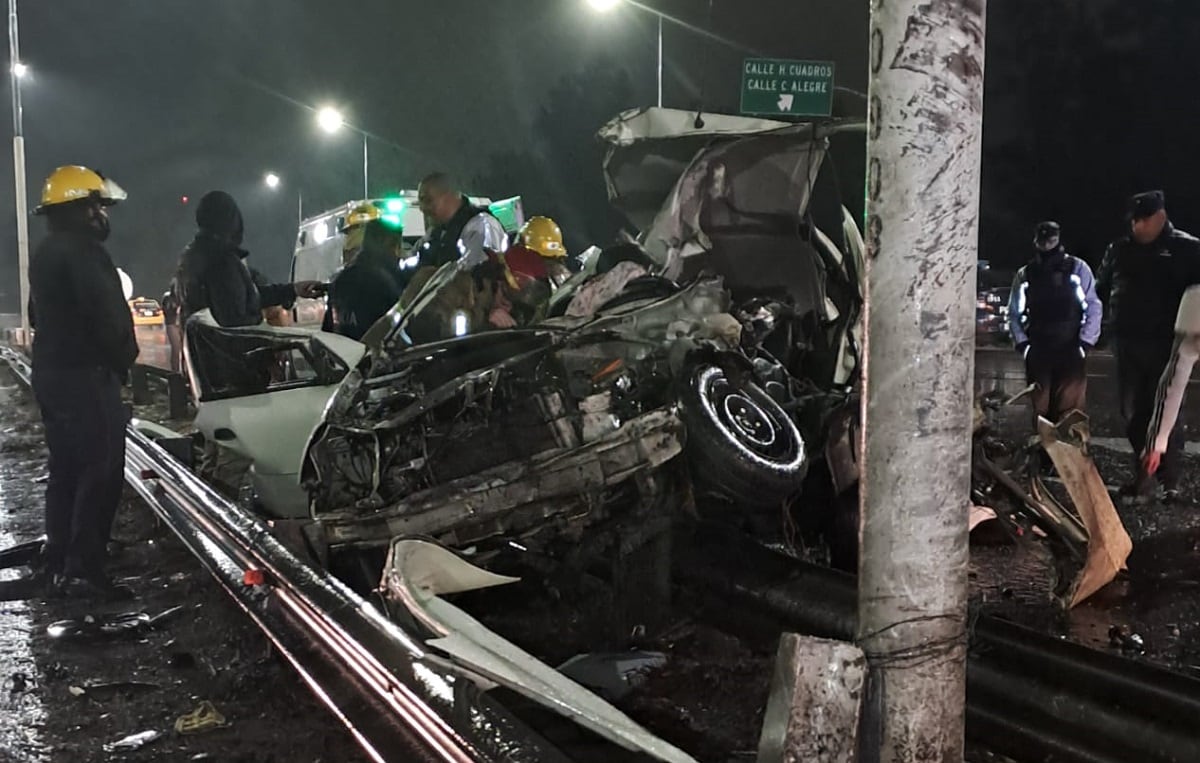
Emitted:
<point x="557" y="462"/>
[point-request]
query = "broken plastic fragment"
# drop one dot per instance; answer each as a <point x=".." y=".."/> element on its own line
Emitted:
<point x="1119" y="636"/>
<point x="612" y="675"/>
<point x="205" y="717"/>
<point x="91" y="627"/>
<point x="133" y="741"/>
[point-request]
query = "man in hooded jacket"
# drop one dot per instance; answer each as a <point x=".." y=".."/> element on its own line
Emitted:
<point x="213" y="273"/>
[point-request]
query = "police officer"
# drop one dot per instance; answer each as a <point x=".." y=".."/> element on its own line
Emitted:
<point x="1054" y="317"/>
<point x="82" y="352"/>
<point x="369" y="284"/>
<point x="462" y="232"/>
<point x="1142" y="280"/>
<point x="461" y="249"/>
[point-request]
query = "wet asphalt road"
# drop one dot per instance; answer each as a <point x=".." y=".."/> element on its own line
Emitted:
<point x="1157" y="598"/>
<point x="1001" y="368"/>
<point x="152" y="341"/>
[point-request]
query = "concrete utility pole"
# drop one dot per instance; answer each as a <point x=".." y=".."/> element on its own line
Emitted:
<point x="923" y="156"/>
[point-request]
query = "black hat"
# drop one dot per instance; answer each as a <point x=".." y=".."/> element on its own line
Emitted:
<point x="1046" y="230"/>
<point x="1146" y="204"/>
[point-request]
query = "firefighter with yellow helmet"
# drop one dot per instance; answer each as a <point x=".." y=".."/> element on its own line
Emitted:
<point x="83" y="348"/>
<point x="533" y="266"/>
<point x="370" y="281"/>
<point x="353" y="229"/>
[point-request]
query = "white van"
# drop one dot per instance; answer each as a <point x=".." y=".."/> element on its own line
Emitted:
<point x="318" y="252"/>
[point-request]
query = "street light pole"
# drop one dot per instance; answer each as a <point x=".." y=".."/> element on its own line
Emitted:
<point x="14" y="57"/>
<point x="660" y="59"/>
<point x="366" y="166"/>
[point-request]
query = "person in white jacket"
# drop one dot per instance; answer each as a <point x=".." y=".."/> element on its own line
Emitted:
<point x="1173" y="384"/>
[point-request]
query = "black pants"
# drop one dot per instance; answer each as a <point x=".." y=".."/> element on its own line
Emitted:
<point x="1060" y="373"/>
<point x="1139" y="368"/>
<point x="85" y="432"/>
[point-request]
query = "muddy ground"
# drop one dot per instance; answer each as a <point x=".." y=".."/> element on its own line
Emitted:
<point x="142" y="681"/>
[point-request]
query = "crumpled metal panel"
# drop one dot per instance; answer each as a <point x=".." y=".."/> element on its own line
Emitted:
<point x="735" y="185"/>
<point x="418" y="570"/>
<point x="644" y="443"/>
<point x="1109" y="544"/>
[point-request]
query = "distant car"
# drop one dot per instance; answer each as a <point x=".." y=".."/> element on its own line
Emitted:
<point x="992" y="288"/>
<point x="991" y="313"/>
<point x="146" y="312"/>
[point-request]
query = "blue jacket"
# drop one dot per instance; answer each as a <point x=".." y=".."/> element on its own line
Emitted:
<point x="1084" y="291"/>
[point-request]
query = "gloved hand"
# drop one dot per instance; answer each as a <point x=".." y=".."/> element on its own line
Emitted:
<point x="310" y="289"/>
<point x="1151" y="460"/>
<point x="501" y="319"/>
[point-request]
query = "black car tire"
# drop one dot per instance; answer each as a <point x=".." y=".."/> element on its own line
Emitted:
<point x="740" y="443"/>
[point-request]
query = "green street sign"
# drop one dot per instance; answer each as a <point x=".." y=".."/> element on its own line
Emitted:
<point x="782" y="88"/>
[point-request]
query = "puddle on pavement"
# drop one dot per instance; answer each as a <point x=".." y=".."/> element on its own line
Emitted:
<point x="22" y="713"/>
<point x="1158" y="599"/>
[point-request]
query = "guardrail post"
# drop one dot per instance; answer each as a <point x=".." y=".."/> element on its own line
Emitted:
<point x="177" y="396"/>
<point x="139" y="379"/>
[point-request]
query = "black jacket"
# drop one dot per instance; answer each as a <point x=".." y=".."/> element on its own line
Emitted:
<point x="441" y="245"/>
<point x="80" y="312"/>
<point x="1141" y="285"/>
<point x="363" y="292"/>
<point x="213" y="273"/>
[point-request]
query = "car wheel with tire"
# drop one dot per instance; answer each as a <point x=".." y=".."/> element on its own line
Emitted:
<point x="741" y="444"/>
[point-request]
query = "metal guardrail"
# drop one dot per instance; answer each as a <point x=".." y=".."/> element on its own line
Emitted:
<point x="398" y="701"/>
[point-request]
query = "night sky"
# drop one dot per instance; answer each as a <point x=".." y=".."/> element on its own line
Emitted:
<point x="1086" y="102"/>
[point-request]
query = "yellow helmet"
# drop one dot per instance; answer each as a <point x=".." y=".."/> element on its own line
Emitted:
<point x="360" y="215"/>
<point x="75" y="183"/>
<point x="542" y="235"/>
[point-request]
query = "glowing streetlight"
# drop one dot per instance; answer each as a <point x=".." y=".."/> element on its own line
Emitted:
<point x="272" y="180"/>
<point x="330" y="119"/>
<point x="19" y="70"/>
<point x="603" y="6"/>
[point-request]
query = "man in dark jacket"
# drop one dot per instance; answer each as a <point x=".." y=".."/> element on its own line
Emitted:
<point x="213" y="274"/>
<point x="1054" y="317"/>
<point x="369" y="285"/>
<point x="461" y="232"/>
<point x="1142" y="280"/>
<point x="82" y="351"/>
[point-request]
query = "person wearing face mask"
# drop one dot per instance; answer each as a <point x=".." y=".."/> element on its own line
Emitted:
<point x="1054" y="317"/>
<point x="213" y="274"/>
<point x="1142" y="281"/>
<point x="83" y="349"/>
